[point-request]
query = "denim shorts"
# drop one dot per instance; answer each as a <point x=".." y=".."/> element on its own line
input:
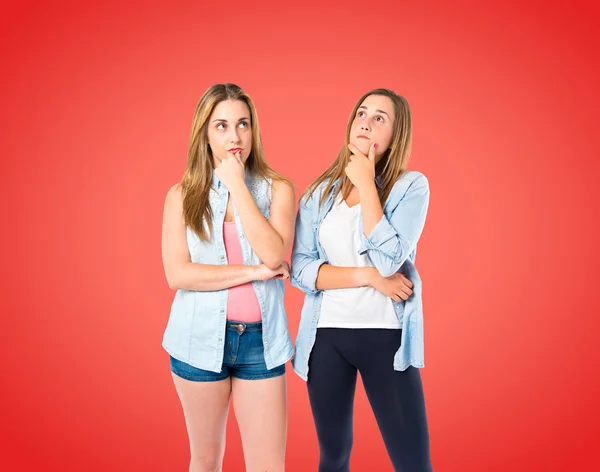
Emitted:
<point x="243" y="357"/>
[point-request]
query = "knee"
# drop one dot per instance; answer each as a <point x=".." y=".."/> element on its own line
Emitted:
<point x="206" y="464"/>
<point x="338" y="459"/>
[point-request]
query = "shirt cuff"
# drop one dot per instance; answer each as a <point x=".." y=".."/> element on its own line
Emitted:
<point x="308" y="280"/>
<point x="381" y="233"/>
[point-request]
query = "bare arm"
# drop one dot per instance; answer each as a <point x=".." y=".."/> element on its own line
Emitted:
<point x="370" y="207"/>
<point x="183" y="274"/>
<point x="332" y="277"/>
<point x="272" y="239"/>
<point x="397" y="286"/>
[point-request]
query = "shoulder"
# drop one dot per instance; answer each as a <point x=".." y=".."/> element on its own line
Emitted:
<point x="283" y="191"/>
<point x="282" y="187"/>
<point x="411" y="180"/>
<point x="316" y="195"/>
<point x="174" y="196"/>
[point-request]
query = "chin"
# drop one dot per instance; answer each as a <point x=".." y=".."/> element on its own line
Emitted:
<point x="362" y="146"/>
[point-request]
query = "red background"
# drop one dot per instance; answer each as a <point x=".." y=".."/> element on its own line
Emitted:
<point x="96" y="110"/>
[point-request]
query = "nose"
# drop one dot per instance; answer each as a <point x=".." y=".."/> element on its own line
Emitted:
<point x="235" y="136"/>
<point x="365" y="126"/>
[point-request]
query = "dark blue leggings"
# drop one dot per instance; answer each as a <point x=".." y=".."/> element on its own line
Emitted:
<point x="396" y="397"/>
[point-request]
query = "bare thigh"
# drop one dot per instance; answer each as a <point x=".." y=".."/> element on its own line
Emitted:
<point x="205" y="406"/>
<point x="261" y="412"/>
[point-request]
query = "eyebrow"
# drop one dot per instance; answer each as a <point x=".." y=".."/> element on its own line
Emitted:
<point x="225" y="121"/>
<point x="379" y="111"/>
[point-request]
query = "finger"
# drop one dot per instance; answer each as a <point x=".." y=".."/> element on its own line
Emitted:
<point x="396" y="298"/>
<point x="354" y="150"/>
<point x="405" y="290"/>
<point x="403" y="296"/>
<point x="372" y="152"/>
<point x="238" y="156"/>
<point x="406" y="281"/>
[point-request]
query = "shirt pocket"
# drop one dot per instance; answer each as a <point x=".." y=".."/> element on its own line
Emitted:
<point x="201" y="252"/>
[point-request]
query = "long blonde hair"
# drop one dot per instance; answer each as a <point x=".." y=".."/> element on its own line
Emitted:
<point x="197" y="178"/>
<point x="391" y="165"/>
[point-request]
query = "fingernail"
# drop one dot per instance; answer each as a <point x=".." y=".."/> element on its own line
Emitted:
<point x="375" y="145"/>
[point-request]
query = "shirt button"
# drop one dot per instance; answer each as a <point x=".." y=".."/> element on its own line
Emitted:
<point x="222" y="311"/>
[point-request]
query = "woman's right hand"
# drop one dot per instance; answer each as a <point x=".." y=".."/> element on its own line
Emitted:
<point x="282" y="272"/>
<point x="397" y="286"/>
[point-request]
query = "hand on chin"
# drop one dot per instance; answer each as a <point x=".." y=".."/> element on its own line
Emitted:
<point x="362" y="145"/>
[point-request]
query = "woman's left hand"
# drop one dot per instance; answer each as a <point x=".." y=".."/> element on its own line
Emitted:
<point x="361" y="169"/>
<point x="230" y="171"/>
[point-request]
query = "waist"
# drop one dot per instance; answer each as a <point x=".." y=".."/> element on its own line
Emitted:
<point x="243" y="326"/>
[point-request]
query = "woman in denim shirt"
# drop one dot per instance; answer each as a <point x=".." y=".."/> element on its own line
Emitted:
<point x="226" y="229"/>
<point x="354" y="251"/>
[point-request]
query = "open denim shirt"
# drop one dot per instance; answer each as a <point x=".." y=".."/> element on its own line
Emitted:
<point x="391" y="247"/>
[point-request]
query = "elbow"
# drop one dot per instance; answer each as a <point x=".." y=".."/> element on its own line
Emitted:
<point x="173" y="280"/>
<point x="274" y="263"/>
<point x="296" y="282"/>
<point x="173" y="283"/>
<point x="178" y="276"/>
<point x="389" y="267"/>
<point x="302" y="280"/>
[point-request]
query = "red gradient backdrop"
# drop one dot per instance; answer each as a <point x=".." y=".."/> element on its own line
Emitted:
<point x="97" y="105"/>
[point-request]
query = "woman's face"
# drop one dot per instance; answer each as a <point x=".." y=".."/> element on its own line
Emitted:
<point x="373" y="123"/>
<point x="229" y="130"/>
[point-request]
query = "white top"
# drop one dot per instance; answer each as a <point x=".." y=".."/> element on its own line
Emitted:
<point x="362" y="307"/>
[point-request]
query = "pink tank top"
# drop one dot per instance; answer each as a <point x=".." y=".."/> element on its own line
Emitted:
<point x="242" y="304"/>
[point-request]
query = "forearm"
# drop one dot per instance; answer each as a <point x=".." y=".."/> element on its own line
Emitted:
<point x="332" y="277"/>
<point x="370" y="207"/>
<point x="207" y="277"/>
<point x="264" y="240"/>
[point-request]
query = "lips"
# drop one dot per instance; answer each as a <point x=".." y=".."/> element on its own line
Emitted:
<point x="234" y="150"/>
<point x="362" y="137"/>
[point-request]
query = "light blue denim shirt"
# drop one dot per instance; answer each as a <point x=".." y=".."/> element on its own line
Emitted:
<point x="391" y="247"/>
<point x="195" y="331"/>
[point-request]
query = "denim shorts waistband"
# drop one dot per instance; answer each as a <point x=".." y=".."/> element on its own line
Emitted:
<point x="248" y="327"/>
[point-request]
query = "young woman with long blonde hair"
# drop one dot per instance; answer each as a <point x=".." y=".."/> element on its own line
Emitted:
<point x="227" y="227"/>
<point x="354" y="257"/>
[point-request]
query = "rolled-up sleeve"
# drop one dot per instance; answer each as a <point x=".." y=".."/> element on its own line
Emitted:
<point x="394" y="238"/>
<point x="305" y="254"/>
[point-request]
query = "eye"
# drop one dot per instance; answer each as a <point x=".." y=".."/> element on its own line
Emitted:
<point x="360" y="114"/>
<point x="221" y="126"/>
<point x="243" y="124"/>
<point x="379" y="119"/>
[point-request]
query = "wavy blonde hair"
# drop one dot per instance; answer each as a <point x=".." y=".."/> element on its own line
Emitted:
<point x="197" y="178"/>
<point x="391" y="165"/>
